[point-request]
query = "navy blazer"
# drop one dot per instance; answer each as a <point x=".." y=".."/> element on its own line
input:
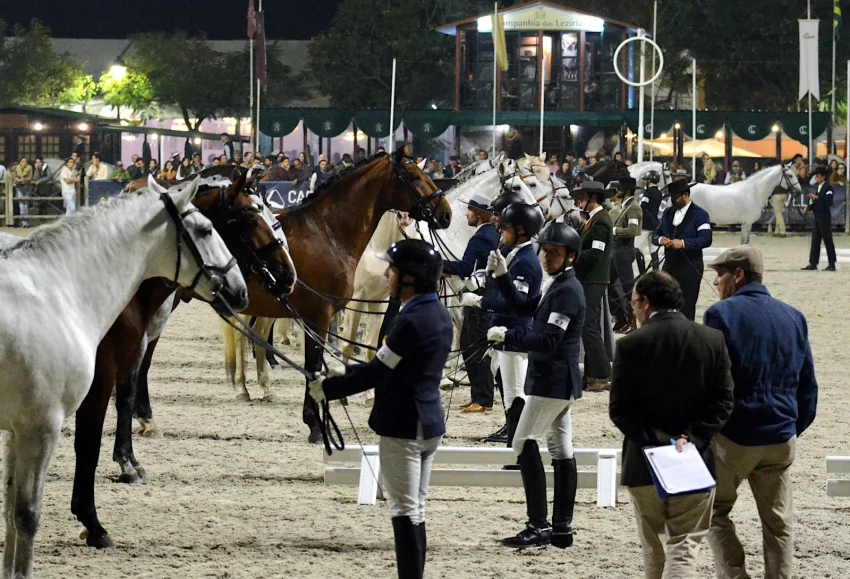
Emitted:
<point x="485" y="240"/>
<point x="526" y="275"/>
<point x="823" y="204"/>
<point x="694" y="230"/>
<point x="650" y="202"/>
<point x="406" y="372"/>
<point x="554" y="340"/>
<point x="776" y="393"/>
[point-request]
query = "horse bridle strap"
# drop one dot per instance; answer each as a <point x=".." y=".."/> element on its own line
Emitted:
<point x="183" y="236"/>
<point x="421" y="204"/>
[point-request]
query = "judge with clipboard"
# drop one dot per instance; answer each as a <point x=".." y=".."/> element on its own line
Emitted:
<point x="671" y="386"/>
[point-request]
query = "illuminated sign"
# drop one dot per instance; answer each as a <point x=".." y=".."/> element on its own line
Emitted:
<point x="543" y="17"/>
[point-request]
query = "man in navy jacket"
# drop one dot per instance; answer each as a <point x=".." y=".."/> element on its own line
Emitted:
<point x="775" y="402"/>
<point x="820" y="202"/>
<point x="473" y="333"/>
<point x="684" y="231"/>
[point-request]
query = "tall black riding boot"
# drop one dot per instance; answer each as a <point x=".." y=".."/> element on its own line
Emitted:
<point x="537" y="532"/>
<point x="566" y="484"/>
<point x="422" y="537"/>
<point x="409" y="552"/>
<point x="514" y="412"/>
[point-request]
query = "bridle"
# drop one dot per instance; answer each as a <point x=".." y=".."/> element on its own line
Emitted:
<point x="213" y="273"/>
<point x="785" y="179"/>
<point x="421" y="209"/>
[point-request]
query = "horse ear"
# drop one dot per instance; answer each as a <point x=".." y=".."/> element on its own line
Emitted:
<point x="237" y="185"/>
<point x="154" y="186"/>
<point x="501" y="169"/>
<point x="400" y="155"/>
<point x="542" y="157"/>
<point x="183" y="194"/>
<point x="421" y="165"/>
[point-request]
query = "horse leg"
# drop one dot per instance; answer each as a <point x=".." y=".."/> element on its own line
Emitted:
<point x="349" y="333"/>
<point x="125" y="396"/>
<point x="33" y="451"/>
<point x="746" y="228"/>
<point x="87" y="440"/>
<point x="9" y="505"/>
<point x="143" y="410"/>
<point x="262" y="327"/>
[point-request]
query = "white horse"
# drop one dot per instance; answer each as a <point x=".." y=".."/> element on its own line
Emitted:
<point x="638" y="172"/>
<point x="63" y="288"/>
<point x="741" y="203"/>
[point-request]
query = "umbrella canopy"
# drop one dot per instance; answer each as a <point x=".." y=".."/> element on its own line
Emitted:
<point x="713" y="147"/>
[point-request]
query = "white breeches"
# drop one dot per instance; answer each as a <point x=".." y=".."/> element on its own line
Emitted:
<point x="548" y="418"/>
<point x="513" y="367"/>
<point x="405" y="472"/>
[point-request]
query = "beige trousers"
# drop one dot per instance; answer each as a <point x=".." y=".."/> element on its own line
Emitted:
<point x="767" y="469"/>
<point x="671" y="531"/>
<point x="778" y="202"/>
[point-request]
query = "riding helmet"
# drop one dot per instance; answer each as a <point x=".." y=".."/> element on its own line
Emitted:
<point x="502" y="201"/>
<point x="561" y="234"/>
<point x="419" y="260"/>
<point x="529" y="216"/>
<point x="652" y="177"/>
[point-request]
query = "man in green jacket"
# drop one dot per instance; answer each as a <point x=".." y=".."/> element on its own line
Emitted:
<point x="627" y="217"/>
<point x="593" y="271"/>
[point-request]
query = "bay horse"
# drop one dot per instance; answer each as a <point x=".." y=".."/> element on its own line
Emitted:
<point x="329" y="232"/>
<point x="256" y="247"/>
<point x="63" y="287"/>
<point x="606" y="171"/>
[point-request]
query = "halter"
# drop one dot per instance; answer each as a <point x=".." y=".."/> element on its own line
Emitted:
<point x="421" y="205"/>
<point x="785" y="179"/>
<point x="212" y="272"/>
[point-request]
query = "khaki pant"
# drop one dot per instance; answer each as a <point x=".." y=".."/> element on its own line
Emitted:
<point x="767" y="468"/>
<point x="671" y="531"/>
<point x="778" y="202"/>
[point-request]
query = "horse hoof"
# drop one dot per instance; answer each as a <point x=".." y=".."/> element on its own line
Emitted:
<point x="130" y="478"/>
<point x="140" y="471"/>
<point x="270" y="398"/>
<point x="243" y="397"/>
<point x="100" y="542"/>
<point x="149" y="428"/>
<point x="315" y="436"/>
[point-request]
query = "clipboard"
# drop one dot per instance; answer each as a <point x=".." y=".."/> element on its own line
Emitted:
<point x="676" y="474"/>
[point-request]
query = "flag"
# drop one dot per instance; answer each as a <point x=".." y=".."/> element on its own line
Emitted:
<point x="809" y="78"/>
<point x="836" y="19"/>
<point x="498" y="31"/>
<point x="261" y="50"/>
<point x="252" y="19"/>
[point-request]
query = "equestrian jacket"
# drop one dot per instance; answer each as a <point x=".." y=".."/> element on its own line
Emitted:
<point x="694" y="230"/>
<point x="776" y="392"/>
<point x="823" y="204"/>
<point x="526" y="275"/>
<point x="594" y="262"/>
<point x="627" y="223"/>
<point x="670" y="377"/>
<point x="474" y="257"/>
<point x="554" y="340"/>
<point x="650" y="202"/>
<point x="406" y="372"/>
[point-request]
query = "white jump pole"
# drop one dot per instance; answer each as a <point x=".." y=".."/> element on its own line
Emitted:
<point x="652" y="104"/>
<point x="694" y="123"/>
<point x="542" y="101"/>
<point x="495" y="74"/>
<point x="811" y="149"/>
<point x="641" y="98"/>
<point x="391" y="144"/>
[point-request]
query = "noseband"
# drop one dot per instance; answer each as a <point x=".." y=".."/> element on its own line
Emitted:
<point x="421" y="205"/>
<point x="213" y="273"/>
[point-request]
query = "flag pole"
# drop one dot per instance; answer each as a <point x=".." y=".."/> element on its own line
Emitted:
<point x="391" y="143"/>
<point x="811" y="151"/>
<point x="495" y="75"/>
<point x="832" y="103"/>
<point x="542" y="101"/>
<point x="694" y="122"/>
<point x="251" y="89"/>
<point x="641" y="92"/>
<point x="652" y="103"/>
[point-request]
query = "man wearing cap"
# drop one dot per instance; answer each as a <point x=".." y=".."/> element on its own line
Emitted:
<point x="627" y="218"/>
<point x="775" y="402"/>
<point x="473" y="333"/>
<point x="735" y="175"/>
<point x="820" y="202"/>
<point x="650" y="202"/>
<point x="593" y="269"/>
<point x="684" y="231"/>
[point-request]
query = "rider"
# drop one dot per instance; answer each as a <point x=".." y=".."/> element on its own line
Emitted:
<point x="650" y="202"/>
<point x="519" y="222"/>
<point x="553" y="383"/>
<point x="407" y="414"/>
<point x="627" y="217"/>
<point x="475" y="321"/>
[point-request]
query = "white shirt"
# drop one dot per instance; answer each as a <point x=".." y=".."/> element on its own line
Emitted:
<point x="595" y="211"/>
<point x="679" y="216"/>
<point x="514" y="251"/>
<point x="67" y="188"/>
<point x="547" y="283"/>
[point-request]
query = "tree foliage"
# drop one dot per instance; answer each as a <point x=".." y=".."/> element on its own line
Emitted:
<point x="31" y="72"/>
<point x="352" y="61"/>
<point x="82" y="90"/>
<point x="133" y="92"/>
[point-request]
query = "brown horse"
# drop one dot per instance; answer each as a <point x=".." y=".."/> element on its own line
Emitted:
<point x="328" y="235"/>
<point x="607" y="171"/>
<point x="249" y="238"/>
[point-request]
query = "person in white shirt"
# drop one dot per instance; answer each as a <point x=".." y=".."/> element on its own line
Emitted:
<point x="68" y="179"/>
<point x="735" y="175"/>
<point x="97" y="171"/>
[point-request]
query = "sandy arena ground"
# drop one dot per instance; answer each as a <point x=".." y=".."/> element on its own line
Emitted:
<point x="234" y="490"/>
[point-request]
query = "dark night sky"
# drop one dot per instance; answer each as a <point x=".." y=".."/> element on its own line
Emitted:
<point x="219" y="19"/>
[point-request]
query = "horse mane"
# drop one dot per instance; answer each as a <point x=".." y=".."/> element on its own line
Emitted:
<point x="619" y="167"/>
<point x="331" y="185"/>
<point x="56" y="234"/>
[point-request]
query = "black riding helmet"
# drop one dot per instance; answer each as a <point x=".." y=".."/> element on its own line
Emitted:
<point x="419" y="260"/>
<point x="562" y="234"/>
<point x="502" y="201"/>
<point x="652" y="177"/>
<point x="529" y="216"/>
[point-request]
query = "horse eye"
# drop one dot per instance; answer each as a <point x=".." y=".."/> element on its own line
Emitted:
<point x="205" y="232"/>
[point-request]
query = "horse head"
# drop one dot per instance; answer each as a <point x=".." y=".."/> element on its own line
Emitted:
<point x="416" y="193"/>
<point x="789" y="178"/>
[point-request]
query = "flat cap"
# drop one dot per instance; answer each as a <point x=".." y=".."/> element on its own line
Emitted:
<point x="746" y="257"/>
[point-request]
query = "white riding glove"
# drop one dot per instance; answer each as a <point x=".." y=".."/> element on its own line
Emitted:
<point x="314" y="387"/>
<point x="497" y="334"/>
<point x="471" y="300"/>
<point x="476" y="281"/>
<point x="496" y="264"/>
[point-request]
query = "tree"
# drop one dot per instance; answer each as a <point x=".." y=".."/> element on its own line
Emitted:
<point x="352" y="61"/>
<point x="31" y="72"/>
<point x="82" y="90"/>
<point x="132" y="91"/>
